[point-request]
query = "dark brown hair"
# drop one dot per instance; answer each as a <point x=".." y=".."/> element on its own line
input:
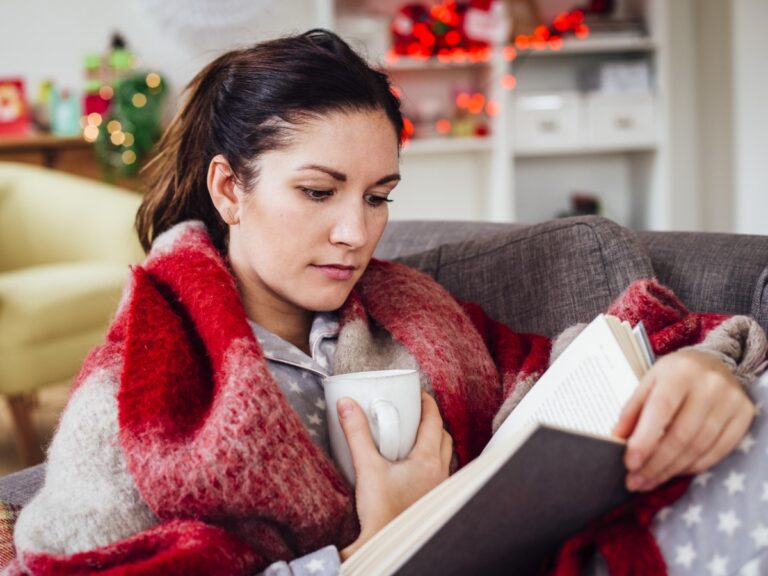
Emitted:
<point x="243" y="104"/>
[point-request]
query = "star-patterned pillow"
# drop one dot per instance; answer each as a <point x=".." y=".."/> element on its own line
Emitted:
<point x="720" y="526"/>
<point x="8" y="515"/>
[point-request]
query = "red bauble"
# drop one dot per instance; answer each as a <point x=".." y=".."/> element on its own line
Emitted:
<point x="442" y="29"/>
<point x="411" y="31"/>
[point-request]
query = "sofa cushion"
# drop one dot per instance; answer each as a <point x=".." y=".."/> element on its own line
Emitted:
<point x="18" y="488"/>
<point x="541" y="278"/>
<point x="47" y="302"/>
<point x="405" y="237"/>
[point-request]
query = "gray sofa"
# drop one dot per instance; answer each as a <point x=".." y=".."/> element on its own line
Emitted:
<point x="545" y="277"/>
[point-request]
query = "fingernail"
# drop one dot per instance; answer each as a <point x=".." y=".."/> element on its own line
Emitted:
<point x="344" y="407"/>
<point x="634" y="460"/>
<point x="634" y="482"/>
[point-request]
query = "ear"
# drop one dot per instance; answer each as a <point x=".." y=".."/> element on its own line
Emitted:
<point x="222" y="186"/>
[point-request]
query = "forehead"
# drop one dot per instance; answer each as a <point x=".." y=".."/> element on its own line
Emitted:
<point x="351" y="142"/>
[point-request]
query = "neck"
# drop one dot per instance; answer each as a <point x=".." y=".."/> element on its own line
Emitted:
<point x="290" y="323"/>
<point x="291" y="326"/>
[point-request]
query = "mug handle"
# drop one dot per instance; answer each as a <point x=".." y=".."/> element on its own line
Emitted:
<point x="386" y="419"/>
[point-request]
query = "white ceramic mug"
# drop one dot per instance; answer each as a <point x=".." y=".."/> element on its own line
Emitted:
<point x="391" y="400"/>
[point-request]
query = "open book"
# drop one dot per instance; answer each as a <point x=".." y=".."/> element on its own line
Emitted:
<point x="551" y="467"/>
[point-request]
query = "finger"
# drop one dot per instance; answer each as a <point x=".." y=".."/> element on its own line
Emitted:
<point x="726" y="405"/>
<point x="726" y="442"/>
<point x="734" y="403"/>
<point x="670" y="453"/>
<point x="702" y="443"/>
<point x="430" y="433"/>
<point x="355" y="426"/>
<point x="631" y="411"/>
<point x="658" y="411"/>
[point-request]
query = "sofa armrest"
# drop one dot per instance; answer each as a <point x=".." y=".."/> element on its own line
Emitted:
<point x="760" y="300"/>
<point x="17" y="489"/>
<point x="48" y="216"/>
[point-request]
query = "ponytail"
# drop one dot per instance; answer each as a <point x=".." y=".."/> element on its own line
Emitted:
<point x="177" y="175"/>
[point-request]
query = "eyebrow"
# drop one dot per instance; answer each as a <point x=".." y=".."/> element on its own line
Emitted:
<point x="341" y="177"/>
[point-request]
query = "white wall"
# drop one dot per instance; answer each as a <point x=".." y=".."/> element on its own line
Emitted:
<point x="714" y="47"/>
<point x="719" y="77"/>
<point x="42" y="39"/>
<point x="750" y="75"/>
<point x="680" y="83"/>
<point x="718" y="129"/>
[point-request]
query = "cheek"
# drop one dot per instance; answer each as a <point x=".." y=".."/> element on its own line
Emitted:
<point x="278" y="227"/>
<point x="377" y="225"/>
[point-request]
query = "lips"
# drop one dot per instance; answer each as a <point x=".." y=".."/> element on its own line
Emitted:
<point x="335" y="271"/>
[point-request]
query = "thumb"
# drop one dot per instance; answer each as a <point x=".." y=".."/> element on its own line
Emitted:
<point x="355" y="426"/>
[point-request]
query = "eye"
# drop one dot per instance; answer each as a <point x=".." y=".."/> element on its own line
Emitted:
<point x="375" y="200"/>
<point x="316" y="195"/>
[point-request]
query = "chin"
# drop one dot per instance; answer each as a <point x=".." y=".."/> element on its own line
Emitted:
<point x="329" y="302"/>
<point x="325" y="307"/>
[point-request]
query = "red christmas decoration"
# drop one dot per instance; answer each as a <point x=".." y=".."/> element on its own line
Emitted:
<point x="452" y="28"/>
<point x="14" y="113"/>
<point x="551" y="37"/>
<point x="412" y="31"/>
<point x="465" y="29"/>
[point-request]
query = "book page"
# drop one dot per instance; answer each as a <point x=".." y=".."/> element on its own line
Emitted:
<point x="584" y="390"/>
<point x="586" y="400"/>
<point x="628" y="343"/>
<point x="646" y="350"/>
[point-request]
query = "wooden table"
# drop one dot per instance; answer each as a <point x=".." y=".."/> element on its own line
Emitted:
<point x="70" y="154"/>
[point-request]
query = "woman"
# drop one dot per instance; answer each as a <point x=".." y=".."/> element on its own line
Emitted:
<point x="194" y="441"/>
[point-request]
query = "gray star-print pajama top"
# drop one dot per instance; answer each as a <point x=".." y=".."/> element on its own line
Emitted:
<point x="300" y="377"/>
<point x="718" y="528"/>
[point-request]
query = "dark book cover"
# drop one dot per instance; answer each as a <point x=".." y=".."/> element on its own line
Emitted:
<point x="548" y="490"/>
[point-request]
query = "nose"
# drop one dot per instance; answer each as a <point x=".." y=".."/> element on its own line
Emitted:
<point x="349" y="226"/>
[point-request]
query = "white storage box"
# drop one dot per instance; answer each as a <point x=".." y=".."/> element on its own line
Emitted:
<point x="621" y="120"/>
<point x="547" y="122"/>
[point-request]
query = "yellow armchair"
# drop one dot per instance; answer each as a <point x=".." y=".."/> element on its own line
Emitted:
<point x="65" y="246"/>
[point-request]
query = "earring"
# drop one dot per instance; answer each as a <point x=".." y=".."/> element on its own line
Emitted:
<point x="232" y="220"/>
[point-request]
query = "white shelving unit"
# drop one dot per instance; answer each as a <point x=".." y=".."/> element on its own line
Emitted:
<point x="612" y="147"/>
<point x="506" y="177"/>
<point x="447" y="145"/>
<point x="452" y="177"/>
<point x="597" y="46"/>
<point x="584" y="150"/>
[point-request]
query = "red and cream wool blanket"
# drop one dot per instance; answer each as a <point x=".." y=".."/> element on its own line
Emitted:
<point x="228" y="477"/>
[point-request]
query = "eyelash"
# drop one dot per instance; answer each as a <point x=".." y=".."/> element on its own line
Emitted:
<point x="321" y="195"/>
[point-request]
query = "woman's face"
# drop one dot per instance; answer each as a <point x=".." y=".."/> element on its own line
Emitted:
<point x="311" y="222"/>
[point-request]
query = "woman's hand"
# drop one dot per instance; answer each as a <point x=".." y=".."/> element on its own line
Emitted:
<point x="383" y="489"/>
<point x="687" y="414"/>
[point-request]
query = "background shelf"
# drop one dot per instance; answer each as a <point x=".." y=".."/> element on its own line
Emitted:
<point x="447" y="145"/>
<point x="405" y="63"/>
<point x="596" y="45"/>
<point x="584" y="150"/>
